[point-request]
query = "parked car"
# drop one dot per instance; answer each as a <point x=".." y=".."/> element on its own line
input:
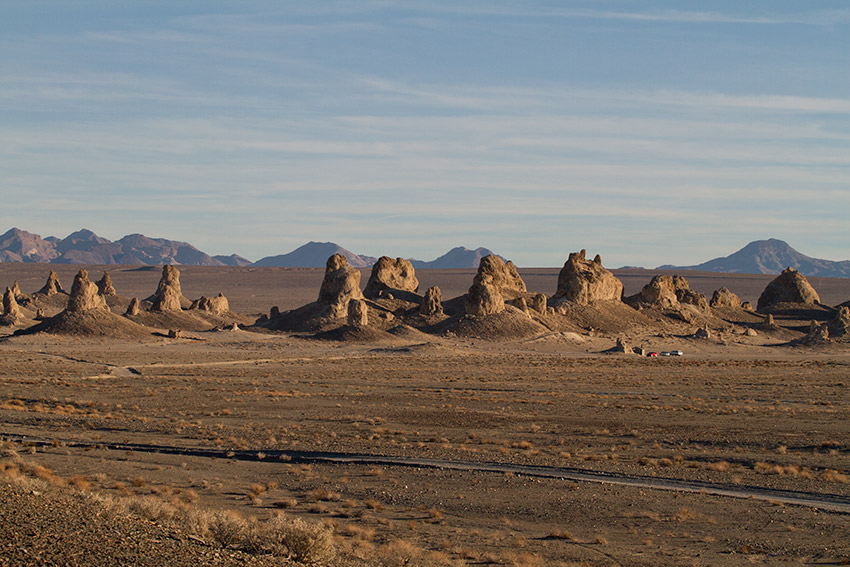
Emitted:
<point x="652" y="354"/>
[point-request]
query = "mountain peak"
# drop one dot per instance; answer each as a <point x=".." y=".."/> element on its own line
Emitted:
<point x="771" y="256"/>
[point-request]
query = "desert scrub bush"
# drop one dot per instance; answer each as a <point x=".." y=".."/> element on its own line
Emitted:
<point x="402" y="553"/>
<point x="305" y="542"/>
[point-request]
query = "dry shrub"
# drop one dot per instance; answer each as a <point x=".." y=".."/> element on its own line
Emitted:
<point x="402" y="553"/>
<point x="561" y="534"/>
<point x="832" y="475"/>
<point x="323" y="494"/>
<point x="80" y="482"/>
<point x="720" y="466"/>
<point x="303" y="541"/>
<point x="521" y="559"/>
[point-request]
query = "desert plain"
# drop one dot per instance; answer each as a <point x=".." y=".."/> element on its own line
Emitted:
<point x="242" y="446"/>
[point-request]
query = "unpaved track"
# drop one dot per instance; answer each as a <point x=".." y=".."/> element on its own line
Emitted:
<point x="825" y="501"/>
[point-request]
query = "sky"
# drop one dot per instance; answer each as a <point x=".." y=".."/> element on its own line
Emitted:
<point x="649" y="132"/>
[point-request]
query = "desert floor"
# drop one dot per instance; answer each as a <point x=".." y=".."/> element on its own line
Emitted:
<point x="426" y="451"/>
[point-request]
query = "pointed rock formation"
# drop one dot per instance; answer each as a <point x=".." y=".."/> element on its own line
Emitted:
<point x="789" y="287"/>
<point x="358" y="315"/>
<point x="11" y="311"/>
<point x="16" y="289"/>
<point x="168" y="293"/>
<point x="724" y="298"/>
<point x="340" y="285"/>
<point x="133" y="308"/>
<point x="584" y="282"/>
<point x="432" y="303"/>
<point x="52" y="287"/>
<point x="104" y="285"/>
<point x="769" y="324"/>
<point x="390" y="276"/>
<point x="84" y="295"/>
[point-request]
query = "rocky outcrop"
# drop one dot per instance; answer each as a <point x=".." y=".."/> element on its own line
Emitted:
<point x="105" y="287"/>
<point x="340" y="285"/>
<point x="52" y="287"/>
<point x="702" y="333"/>
<point x="724" y="298"/>
<point x="217" y="305"/>
<point x="133" y="308"/>
<point x="432" y="303"/>
<point x="584" y="282"/>
<point x="84" y="295"/>
<point x="789" y="287"/>
<point x="16" y="289"/>
<point x="168" y="295"/>
<point x="358" y="314"/>
<point x="391" y="276"/>
<point x="840" y="326"/>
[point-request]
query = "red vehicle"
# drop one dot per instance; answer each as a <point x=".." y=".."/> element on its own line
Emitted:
<point x="652" y="354"/>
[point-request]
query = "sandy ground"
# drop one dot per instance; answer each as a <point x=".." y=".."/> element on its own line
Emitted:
<point x="514" y="435"/>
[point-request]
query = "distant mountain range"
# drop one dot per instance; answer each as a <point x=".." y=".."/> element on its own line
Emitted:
<point x="770" y="257"/>
<point x="86" y="247"/>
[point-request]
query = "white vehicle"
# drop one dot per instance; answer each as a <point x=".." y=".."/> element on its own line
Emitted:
<point x="677" y="353"/>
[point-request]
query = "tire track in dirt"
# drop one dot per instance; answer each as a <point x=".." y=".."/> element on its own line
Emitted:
<point x="825" y="501"/>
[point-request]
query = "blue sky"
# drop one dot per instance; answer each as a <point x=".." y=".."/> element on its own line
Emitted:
<point x="648" y="132"/>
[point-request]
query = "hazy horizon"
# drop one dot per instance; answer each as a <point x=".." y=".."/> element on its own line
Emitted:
<point x="651" y="133"/>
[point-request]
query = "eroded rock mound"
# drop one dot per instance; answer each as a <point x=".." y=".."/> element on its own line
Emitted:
<point x="432" y="303"/>
<point x="789" y="287"/>
<point x="84" y="295"/>
<point x="340" y="285"/>
<point x="669" y="292"/>
<point x="168" y="294"/>
<point x="217" y="305"/>
<point x="724" y="298"/>
<point x="484" y="299"/>
<point x="390" y="275"/>
<point x="358" y="314"/>
<point x="16" y="289"/>
<point x="105" y="287"/>
<point x="838" y="327"/>
<point x="583" y="282"/>
<point x="52" y="286"/>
